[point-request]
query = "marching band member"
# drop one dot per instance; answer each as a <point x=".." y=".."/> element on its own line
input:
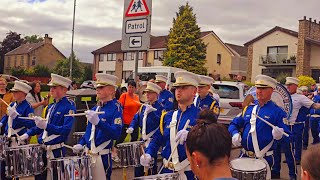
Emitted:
<point x="294" y="125"/>
<point x="171" y="131"/>
<point x="205" y="100"/>
<point x="315" y="118"/>
<point x="305" y="138"/>
<point x="14" y="126"/>
<point x="102" y="129"/>
<point x="148" y="119"/>
<point x="165" y="97"/>
<point x="56" y="127"/>
<point x="258" y="137"/>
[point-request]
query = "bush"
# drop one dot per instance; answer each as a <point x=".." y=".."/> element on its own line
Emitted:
<point x="306" y="81"/>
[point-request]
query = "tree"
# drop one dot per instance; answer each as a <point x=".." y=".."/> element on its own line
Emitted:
<point x="32" y="39"/>
<point x="63" y="68"/>
<point x="87" y="75"/>
<point x="9" y="43"/>
<point x="185" y="49"/>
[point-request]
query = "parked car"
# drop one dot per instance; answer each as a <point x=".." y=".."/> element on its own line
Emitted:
<point x="88" y="84"/>
<point x="231" y="95"/>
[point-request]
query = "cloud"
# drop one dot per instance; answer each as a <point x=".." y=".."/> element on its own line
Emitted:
<point x="99" y="22"/>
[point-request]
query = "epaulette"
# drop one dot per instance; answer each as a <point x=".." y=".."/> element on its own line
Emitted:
<point x="212" y="104"/>
<point x="161" y="121"/>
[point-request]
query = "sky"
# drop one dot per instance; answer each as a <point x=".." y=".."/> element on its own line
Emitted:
<point x="99" y="22"/>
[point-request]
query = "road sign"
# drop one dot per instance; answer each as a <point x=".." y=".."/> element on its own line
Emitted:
<point x="137" y="8"/>
<point x="135" y="41"/>
<point x="136" y="25"/>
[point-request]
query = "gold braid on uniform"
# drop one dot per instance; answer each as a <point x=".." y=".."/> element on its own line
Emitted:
<point x="244" y="111"/>
<point x="214" y="108"/>
<point x="161" y="121"/>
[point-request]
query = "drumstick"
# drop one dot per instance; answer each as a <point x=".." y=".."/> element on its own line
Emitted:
<point x="175" y="147"/>
<point x="145" y="168"/>
<point x="30" y="118"/>
<point x="4" y="102"/>
<point x="82" y="114"/>
<point x="271" y="125"/>
<point x="67" y="146"/>
<point x="87" y="105"/>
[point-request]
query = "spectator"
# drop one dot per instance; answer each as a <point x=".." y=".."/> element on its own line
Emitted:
<point x="310" y="163"/>
<point x="130" y="103"/>
<point x="74" y="85"/>
<point x="6" y="96"/>
<point x="208" y="148"/>
<point x="34" y="98"/>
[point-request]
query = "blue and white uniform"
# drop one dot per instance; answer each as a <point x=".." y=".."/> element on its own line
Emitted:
<point x="166" y="99"/>
<point x="315" y="120"/>
<point x="208" y="102"/>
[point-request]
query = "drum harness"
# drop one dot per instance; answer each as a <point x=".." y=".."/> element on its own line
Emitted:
<point x="175" y="165"/>
<point x="146" y="137"/>
<point x="12" y="131"/>
<point x="260" y="154"/>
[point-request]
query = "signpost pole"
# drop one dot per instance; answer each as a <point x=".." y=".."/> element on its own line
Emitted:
<point x="136" y="63"/>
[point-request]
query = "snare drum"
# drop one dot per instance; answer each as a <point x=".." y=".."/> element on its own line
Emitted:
<point x="248" y="169"/>
<point x="24" y="160"/>
<point x="73" y="167"/>
<point x="168" y="176"/>
<point x="130" y="153"/>
<point x="77" y="136"/>
<point x="3" y="141"/>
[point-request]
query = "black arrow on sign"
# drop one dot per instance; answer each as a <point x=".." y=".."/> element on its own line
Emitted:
<point x="133" y="42"/>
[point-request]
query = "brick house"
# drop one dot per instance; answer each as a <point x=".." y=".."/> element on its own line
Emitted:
<point x="222" y="59"/>
<point x="29" y="55"/>
<point x="281" y="50"/>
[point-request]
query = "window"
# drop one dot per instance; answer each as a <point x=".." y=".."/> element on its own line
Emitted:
<point x="110" y="72"/>
<point x="226" y="91"/>
<point x="22" y="61"/>
<point x="8" y="61"/>
<point x="33" y="63"/>
<point x="100" y="71"/>
<point x="101" y="57"/>
<point x="158" y="55"/>
<point x="15" y="61"/>
<point x="277" y="53"/>
<point x="111" y="57"/>
<point x="128" y="56"/>
<point x="140" y="55"/>
<point x="219" y="59"/>
<point x="126" y="74"/>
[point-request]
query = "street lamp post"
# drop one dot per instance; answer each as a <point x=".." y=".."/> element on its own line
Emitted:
<point x="72" y="54"/>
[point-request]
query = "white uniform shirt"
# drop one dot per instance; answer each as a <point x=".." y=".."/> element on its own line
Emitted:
<point x="298" y="101"/>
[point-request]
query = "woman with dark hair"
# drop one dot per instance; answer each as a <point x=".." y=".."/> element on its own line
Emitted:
<point x="131" y="104"/>
<point x="34" y="98"/>
<point x="208" y="148"/>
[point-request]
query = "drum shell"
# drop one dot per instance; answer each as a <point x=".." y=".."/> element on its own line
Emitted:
<point x="71" y="168"/>
<point x="245" y="173"/>
<point x="77" y="136"/>
<point x="168" y="176"/>
<point x="22" y="161"/>
<point x="3" y="145"/>
<point x="130" y="153"/>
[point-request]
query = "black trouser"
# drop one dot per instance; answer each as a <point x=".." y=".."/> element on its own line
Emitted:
<point x="134" y="135"/>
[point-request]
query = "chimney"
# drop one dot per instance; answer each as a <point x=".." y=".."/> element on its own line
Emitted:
<point x="47" y="39"/>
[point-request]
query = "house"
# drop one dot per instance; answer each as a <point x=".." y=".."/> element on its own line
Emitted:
<point x="222" y="60"/>
<point x="287" y="52"/>
<point x="29" y="55"/>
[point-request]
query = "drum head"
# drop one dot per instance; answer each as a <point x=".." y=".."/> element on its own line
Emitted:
<point x="161" y="176"/>
<point x="247" y="164"/>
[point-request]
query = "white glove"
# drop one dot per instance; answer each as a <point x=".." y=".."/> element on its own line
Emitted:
<point x="277" y="133"/>
<point x="93" y="117"/>
<point x="181" y="136"/>
<point x="145" y="160"/>
<point x="149" y="109"/>
<point x="24" y="137"/>
<point x="12" y="113"/>
<point x="129" y="130"/>
<point x="1" y="124"/>
<point x="236" y="140"/>
<point x="40" y="123"/>
<point x="77" y="148"/>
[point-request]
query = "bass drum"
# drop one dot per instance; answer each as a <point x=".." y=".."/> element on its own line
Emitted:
<point x="280" y="96"/>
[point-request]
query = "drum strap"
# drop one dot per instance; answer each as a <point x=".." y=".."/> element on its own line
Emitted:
<point x="144" y="125"/>
<point x="10" y="129"/>
<point x="45" y="133"/>
<point x="195" y="100"/>
<point x="173" y="126"/>
<point x="93" y="130"/>
<point x="180" y="168"/>
<point x="259" y="154"/>
<point x="150" y="134"/>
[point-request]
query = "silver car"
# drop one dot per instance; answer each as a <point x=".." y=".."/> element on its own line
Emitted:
<point x="231" y="99"/>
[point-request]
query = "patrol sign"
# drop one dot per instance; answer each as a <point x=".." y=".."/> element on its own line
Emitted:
<point x="136" y="25"/>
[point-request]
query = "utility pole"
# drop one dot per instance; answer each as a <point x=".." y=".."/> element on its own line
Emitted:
<point x="72" y="54"/>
